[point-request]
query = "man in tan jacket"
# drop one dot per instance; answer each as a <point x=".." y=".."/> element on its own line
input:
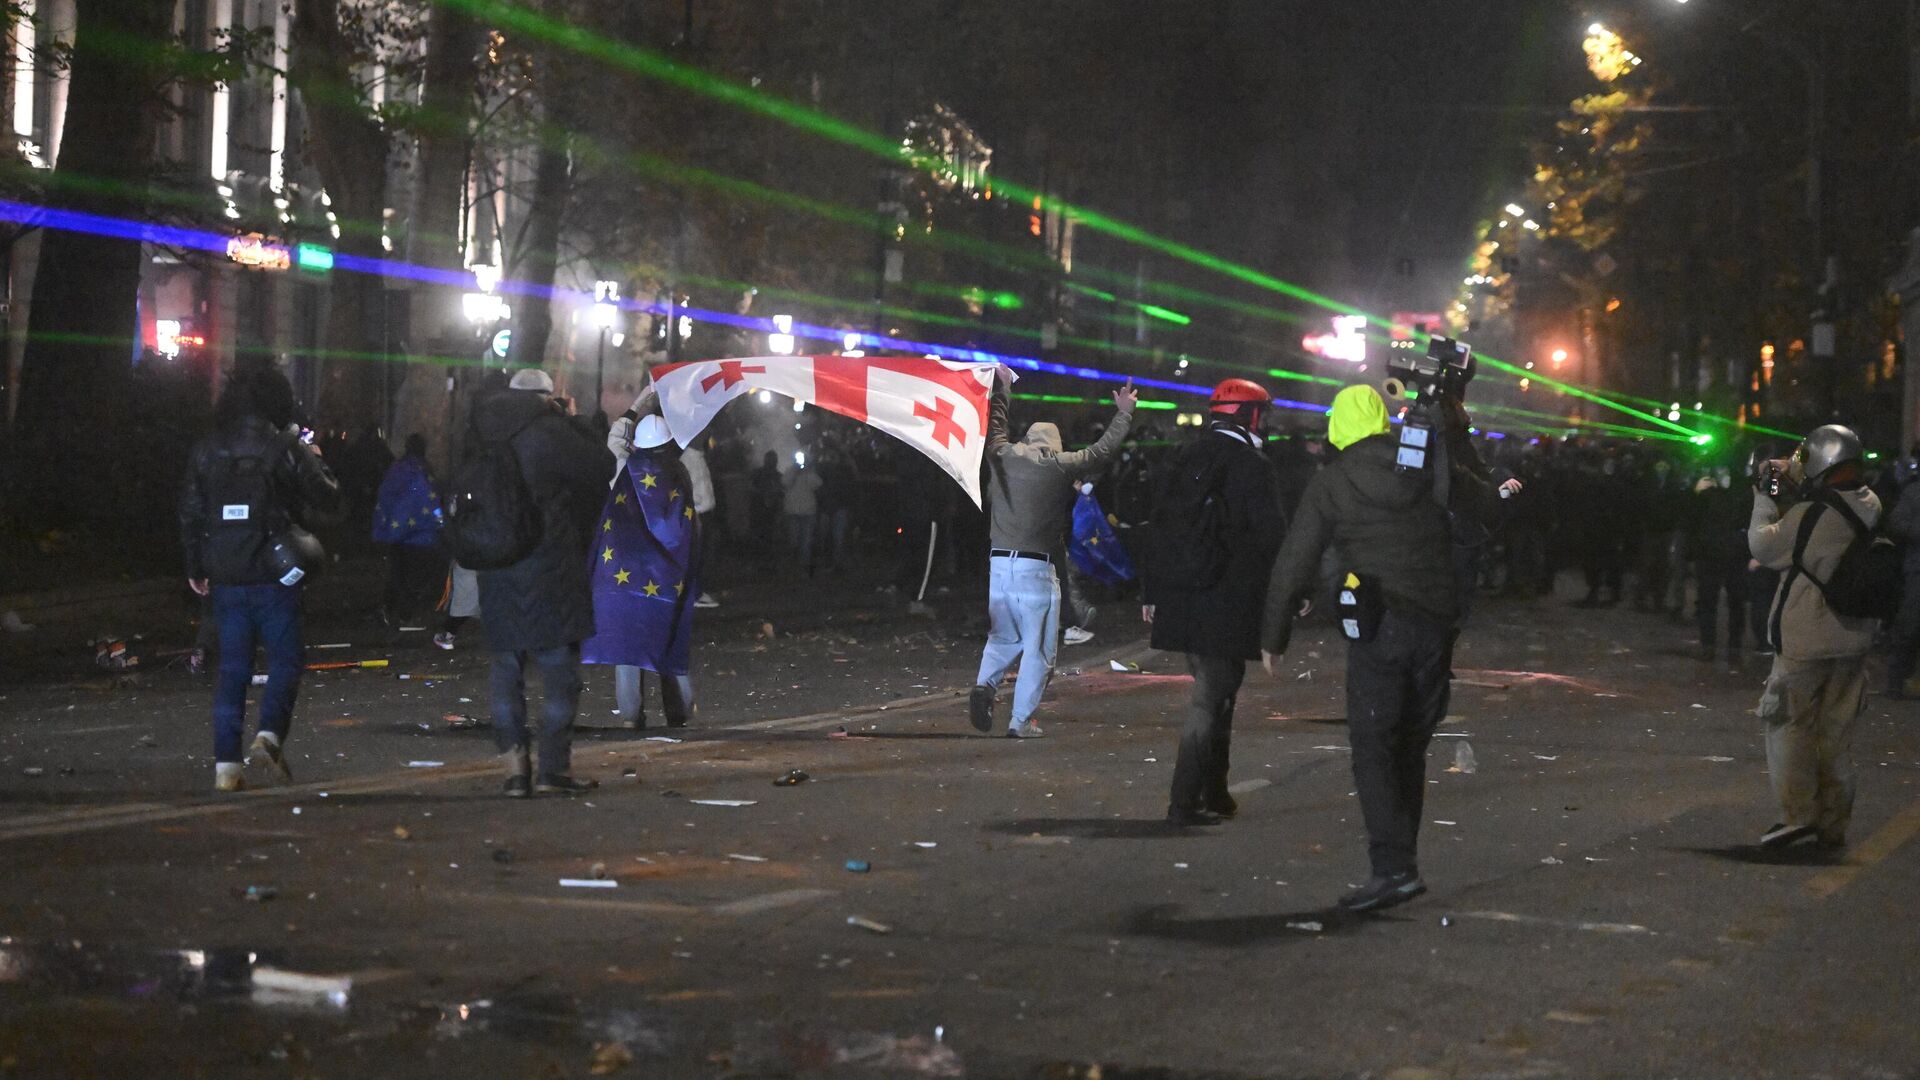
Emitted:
<point x="1818" y="684"/>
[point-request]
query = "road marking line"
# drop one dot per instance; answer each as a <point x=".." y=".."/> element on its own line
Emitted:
<point x="1872" y="851"/>
<point x="635" y="907"/>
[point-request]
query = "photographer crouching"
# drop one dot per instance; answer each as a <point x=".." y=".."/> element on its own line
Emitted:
<point x="1385" y="506"/>
<point x="1839" y="578"/>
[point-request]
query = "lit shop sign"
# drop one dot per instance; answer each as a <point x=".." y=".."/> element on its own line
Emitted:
<point x="256" y="251"/>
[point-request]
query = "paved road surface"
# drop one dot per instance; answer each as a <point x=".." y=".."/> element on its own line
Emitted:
<point x="1597" y="909"/>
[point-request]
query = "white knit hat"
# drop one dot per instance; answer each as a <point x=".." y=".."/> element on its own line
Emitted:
<point x="532" y="379"/>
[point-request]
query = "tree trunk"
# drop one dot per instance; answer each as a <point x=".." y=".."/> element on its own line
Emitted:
<point x="83" y="326"/>
<point x="537" y="262"/>
<point x="436" y="325"/>
<point x="350" y="151"/>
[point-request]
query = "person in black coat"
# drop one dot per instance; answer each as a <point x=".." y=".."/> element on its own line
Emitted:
<point x="1213" y="617"/>
<point x="538" y="611"/>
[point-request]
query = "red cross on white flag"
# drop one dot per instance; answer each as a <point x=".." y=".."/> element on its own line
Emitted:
<point x="939" y="407"/>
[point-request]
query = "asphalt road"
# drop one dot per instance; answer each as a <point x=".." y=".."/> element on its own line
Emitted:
<point x="1597" y="909"/>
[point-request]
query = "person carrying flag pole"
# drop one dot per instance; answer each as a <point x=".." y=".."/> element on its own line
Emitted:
<point x="1031" y="491"/>
<point x="645" y="569"/>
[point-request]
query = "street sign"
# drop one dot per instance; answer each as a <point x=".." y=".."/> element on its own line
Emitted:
<point x="502" y="341"/>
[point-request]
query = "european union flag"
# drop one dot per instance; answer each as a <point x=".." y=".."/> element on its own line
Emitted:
<point x="408" y="508"/>
<point x="1094" y="549"/>
<point x="643" y="569"/>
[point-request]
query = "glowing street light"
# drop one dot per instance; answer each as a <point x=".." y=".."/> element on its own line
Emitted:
<point x="1559" y="356"/>
<point x="781" y="342"/>
<point x="1514" y="209"/>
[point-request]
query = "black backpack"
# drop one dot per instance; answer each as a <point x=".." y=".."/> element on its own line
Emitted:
<point x="493" y="521"/>
<point x="245" y="512"/>
<point x="1186" y="543"/>
<point x="1866" y="584"/>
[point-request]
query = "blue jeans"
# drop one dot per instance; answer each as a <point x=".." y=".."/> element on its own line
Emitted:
<point x="560" y="679"/>
<point x="249" y="615"/>
<point x="1023" y="606"/>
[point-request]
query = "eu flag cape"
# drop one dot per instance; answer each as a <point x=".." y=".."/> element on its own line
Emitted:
<point x="643" y="569"/>
<point x="1094" y="549"/>
<point x="407" y="510"/>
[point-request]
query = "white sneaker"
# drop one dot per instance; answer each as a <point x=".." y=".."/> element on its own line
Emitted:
<point x="228" y="776"/>
<point x="1076" y="636"/>
<point x="1028" y="730"/>
<point x="443" y="640"/>
<point x="706" y="600"/>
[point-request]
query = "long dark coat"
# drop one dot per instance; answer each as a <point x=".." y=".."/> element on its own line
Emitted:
<point x="1222" y="620"/>
<point x="546" y="599"/>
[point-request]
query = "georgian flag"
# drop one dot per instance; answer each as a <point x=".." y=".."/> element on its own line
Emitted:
<point x="938" y="407"/>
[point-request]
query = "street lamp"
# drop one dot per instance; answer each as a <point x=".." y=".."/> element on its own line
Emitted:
<point x="781" y="341"/>
<point x="606" y="309"/>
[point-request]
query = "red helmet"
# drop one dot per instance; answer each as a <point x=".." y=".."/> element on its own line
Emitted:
<point x="1234" y="393"/>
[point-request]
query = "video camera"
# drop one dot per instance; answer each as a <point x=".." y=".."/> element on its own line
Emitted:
<point x="1444" y="371"/>
<point x="1775" y="477"/>
<point x="1442" y="374"/>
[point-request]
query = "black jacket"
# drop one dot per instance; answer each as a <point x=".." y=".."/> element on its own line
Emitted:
<point x="1383" y="524"/>
<point x="302" y="492"/>
<point x="1224" y="619"/>
<point x="545" y="600"/>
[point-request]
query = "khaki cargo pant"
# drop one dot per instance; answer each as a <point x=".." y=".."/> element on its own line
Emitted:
<point x="1810" y="707"/>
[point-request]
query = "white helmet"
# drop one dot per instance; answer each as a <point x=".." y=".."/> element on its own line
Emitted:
<point x="651" y="431"/>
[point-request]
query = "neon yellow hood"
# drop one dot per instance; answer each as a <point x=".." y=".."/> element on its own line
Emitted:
<point x="1358" y="413"/>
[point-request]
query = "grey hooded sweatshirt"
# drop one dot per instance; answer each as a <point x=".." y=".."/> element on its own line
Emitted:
<point x="1030" y="483"/>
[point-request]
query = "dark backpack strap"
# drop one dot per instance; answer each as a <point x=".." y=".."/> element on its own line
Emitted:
<point x="1794" y="570"/>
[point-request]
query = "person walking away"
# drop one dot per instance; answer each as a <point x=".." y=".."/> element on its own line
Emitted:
<point x="537" y="611"/>
<point x="407" y="518"/>
<point x="704" y="502"/>
<point x="1720" y="561"/>
<point x="1903" y="523"/>
<point x="1389" y="534"/>
<point x="800" y="504"/>
<point x="1031" y="485"/>
<point x="646" y="572"/>
<point x="252" y="489"/>
<point x="1817" y="687"/>
<point x="769" y="496"/>
<point x="1216" y="526"/>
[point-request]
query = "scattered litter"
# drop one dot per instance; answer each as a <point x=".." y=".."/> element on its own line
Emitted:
<point x="412" y="629"/>
<point x="1696" y="705"/>
<point x="630" y="771"/>
<point x="333" y="645"/>
<point x="610" y="1057"/>
<point x="1446" y="920"/>
<point x="1245" y="786"/>
<point x="723" y="802"/>
<point x="296" y="811"/>
<point x="587" y="883"/>
<point x="598" y="871"/>
<point x="926" y="844"/>
<point x="747" y="858"/>
<point x="33" y="770"/>
<point x="1546" y="757"/>
<point x="1179" y="866"/>
<point x="259" y="893"/>
<point x="1453" y="734"/>
<point x="1717" y="759"/>
<point x="14" y="624"/>
<point x="869" y="924"/>
<point x="792" y="777"/>
<point x="259" y="680"/>
<point x="1440" y="821"/>
<point x="1311" y="926"/>
<point x="344" y="665"/>
<point x="661" y="738"/>
<point x="1305" y="676"/>
<point x="1463" y="759"/>
<point x="401" y="832"/>
<point x="669" y="793"/>
<point x="1330" y="747"/>
<point x="425" y="764"/>
<point x="766" y="631"/>
<point x="503" y="856"/>
<point x="1151" y="760"/>
<point x="858" y="866"/>
<point x="1590" y="858"/>
<point x="283" y="986"/>
<point x="1550" y="861"/>
<point x="110" y="651"/>
<point x="1124" y="665"/>
<point x="463" y="721"/>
